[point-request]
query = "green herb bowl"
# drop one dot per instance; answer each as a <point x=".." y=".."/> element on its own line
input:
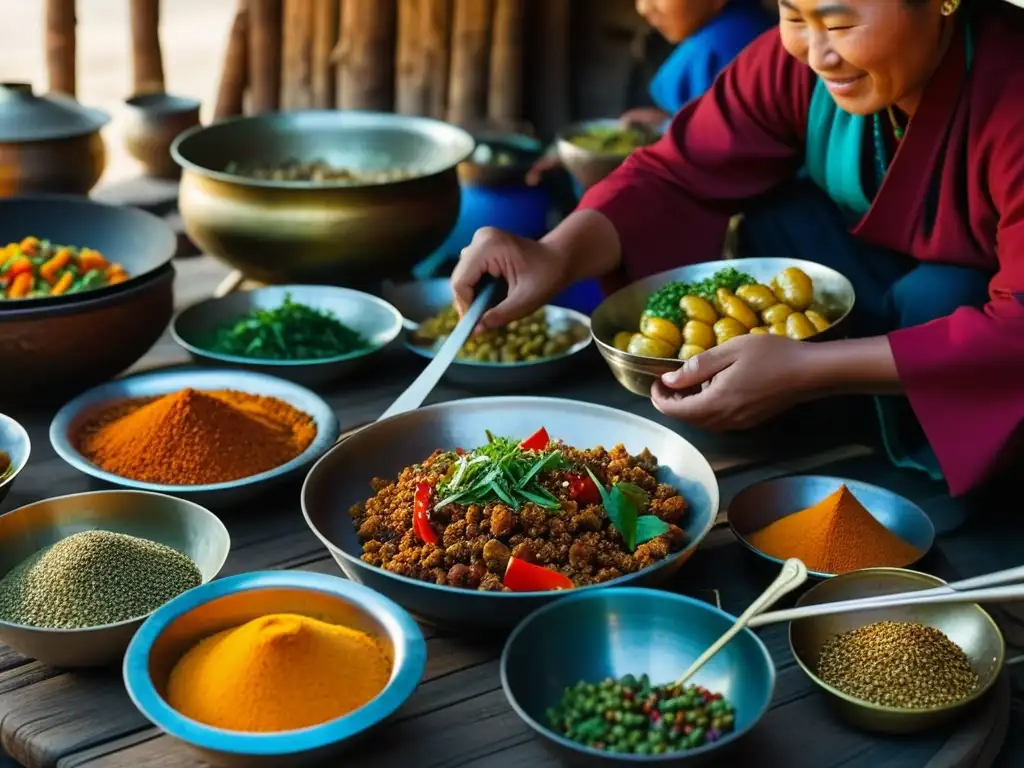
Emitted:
<point x="376" y="320"/>
<point x="176" y="523"/>
<point x="621" y="311"/>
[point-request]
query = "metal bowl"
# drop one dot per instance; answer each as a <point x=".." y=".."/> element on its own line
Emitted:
<point x="594" y="635"/>
<point x="56" y="351"/>
<point x="621" y="311"/>
<point x="214" y="495"/>
<point x="306" y="232"/>
<point x="965" y="624"/>
<point x="761" y="504"/>
<point x="139" y="241"/>
<point x="14" y="441"/>
<point x="422" y="299"/>
<point x="176" y="523"/>
<point x="522" y="150"/>
<point x="375" y="319"/>
<point x="588" y="167"/>
<point x="342" y="478"/>
<point x="231" y="602"/>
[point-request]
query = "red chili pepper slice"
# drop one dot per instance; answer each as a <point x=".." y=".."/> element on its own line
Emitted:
<point x="521" y="576"/>
<point x="582" y="489"/>
<point x="538" y="441"/>
<point x="422" y="501"/>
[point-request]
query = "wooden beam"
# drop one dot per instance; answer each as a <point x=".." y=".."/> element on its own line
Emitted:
<point x="234" y="74"/>
<point x="365" y="54"/>
<point x="550" y="92"/>
<point x="471" y="42"/>
<point x="60" y="46"/>
<point x="505" y="90"/>
<point x="297" y="54"/>
<point x="325" y="37"/>
<point x="147" y="59"/>
<point x="264" y="55"/>
<point x="421" y="82"/>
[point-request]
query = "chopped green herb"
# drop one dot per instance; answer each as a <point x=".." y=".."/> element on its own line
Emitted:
<point x="623" y="504"/>
<point x="664" y="302"/>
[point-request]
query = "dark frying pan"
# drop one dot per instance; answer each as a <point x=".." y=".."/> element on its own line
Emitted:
<point x="139" y="241"/>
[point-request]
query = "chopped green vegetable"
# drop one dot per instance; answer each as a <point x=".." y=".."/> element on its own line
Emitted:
<point x="292" y="331"/>
<point x="664" y="302"/>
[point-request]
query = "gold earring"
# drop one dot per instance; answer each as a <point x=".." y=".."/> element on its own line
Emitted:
<point x="949" y="7"/>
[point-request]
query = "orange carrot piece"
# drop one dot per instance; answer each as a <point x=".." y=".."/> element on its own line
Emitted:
<point x="8" y="252"/>
<point x="21" y="265"/>
<point x="88" y="259"/>
<point x="117" y="277"/>
<point x="62" y="284"/>
<point x="29" y="246"/>
<point x="114" y="269"/>
<point x="52" y="267"/>
<point x="20" y="286"/>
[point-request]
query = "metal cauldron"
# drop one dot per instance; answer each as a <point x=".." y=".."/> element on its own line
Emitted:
<point x="321" y="232"/>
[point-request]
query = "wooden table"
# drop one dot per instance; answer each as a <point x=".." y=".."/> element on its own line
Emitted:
<point x="458" y="716"/>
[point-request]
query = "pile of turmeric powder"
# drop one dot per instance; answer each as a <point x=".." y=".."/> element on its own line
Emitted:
<point x="836" y="535"/>
<point x="193" y="437"/>
<point x="278" y="673"/>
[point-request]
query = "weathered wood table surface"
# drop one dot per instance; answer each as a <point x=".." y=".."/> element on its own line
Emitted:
<point x="459" y="716"/>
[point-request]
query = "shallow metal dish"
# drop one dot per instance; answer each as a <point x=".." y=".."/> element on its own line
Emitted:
<point x="176" y="523"/>
<point x="342" y="478"/>
<point x="588" y="167"/>
<point x="761" y="504"/>
<point x="966" y="624"/>
<point x="621" y="311"/>
<point x="139" y="241"/>
<point x="15" y="442"/>
<point x="309" y="232"/>
<point x="215" y="495"/>
<point x="523" y="149"/>
<point x="231" y="602"/>
<point x="422" y="299"/>
<point x="375" y="319"/>
<point x="594" y="635"/>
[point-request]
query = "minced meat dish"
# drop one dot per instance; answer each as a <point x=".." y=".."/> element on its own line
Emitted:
<point x="527" y="515"/>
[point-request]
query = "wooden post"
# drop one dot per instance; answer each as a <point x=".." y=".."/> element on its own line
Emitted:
<point x="365" y="54"/>
<point x="60" y="46"/>
<point x="421" y="82"/>
<point x="505" y="91"/>
<point x="471" y="42"/>
<point x="325" y="37"/>
<point x="235" y="73"/>
<point x="297" y="54"/>
<point x="264" y="55"/>
<point x="550" y="86"/>
<point x="147" y="60"/>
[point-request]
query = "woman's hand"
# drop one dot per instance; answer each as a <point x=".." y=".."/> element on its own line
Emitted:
<point x="541" y="167"/>
<point x="644" y="116"/>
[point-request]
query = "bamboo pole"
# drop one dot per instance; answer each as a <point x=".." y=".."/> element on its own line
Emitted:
<point x="235" y="71"/>
<point x="365" y="54"/>
<point x="505" y="94"/>
<point x="264" y="55"/>
<point x="60" y="46"/>
<point x="147" y="59"/>
<point x="471" y="41"/>
<point x="325" y="37"/>
<point x="421" y="82"/>
<point x="297" y="54"/>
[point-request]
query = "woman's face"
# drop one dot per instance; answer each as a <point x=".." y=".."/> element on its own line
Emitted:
<point x="872" y="54"/>
<point x="676" y="20"/>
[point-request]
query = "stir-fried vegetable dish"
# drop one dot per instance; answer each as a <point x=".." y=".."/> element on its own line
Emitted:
<point x="34" y="268"/>
<point x="316" y="171"/>
<point x="522" y="516"/>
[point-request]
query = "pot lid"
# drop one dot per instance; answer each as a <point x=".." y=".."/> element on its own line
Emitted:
<point x="24" y="116"/>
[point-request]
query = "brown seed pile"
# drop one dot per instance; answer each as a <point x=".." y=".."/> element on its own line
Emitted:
<point x="898" y="664"/>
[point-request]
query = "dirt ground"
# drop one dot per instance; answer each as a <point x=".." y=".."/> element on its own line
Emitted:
<point x="193" y="35"/>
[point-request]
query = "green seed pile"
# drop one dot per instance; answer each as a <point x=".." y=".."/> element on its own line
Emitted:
<point x="898" y="664"/>
<point x="629" y="716"/>
<point x="94" y="578"/>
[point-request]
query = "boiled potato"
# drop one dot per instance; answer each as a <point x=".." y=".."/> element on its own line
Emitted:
<point x="776" y="314"/>
<point x="733" y="306"/>
<point x="645" y="346"/>
<point x="621" y="340"/>
<point x="728" y="328"/>
<point x="777" y="329"/>
<point x="799" y="327"/>
<point x="759" y="330"/>
<point x="696" y="308"/>
<point x="794" y="287"/>
<point x="817" y="320"/>
<point x="757" y="297"/>
<point x="690" y="350"/>
<point x="699" y="334"/>
<point x="662" y="330"/>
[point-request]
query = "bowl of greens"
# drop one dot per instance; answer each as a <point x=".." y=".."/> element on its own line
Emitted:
<point x="15" y="447"/>
<point x="308" y="334"/>
<point x="593" y="149"/>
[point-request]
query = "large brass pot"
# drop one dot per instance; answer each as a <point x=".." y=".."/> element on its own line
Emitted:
<point x="321" y="232"/>
<point x="48" y="144"/>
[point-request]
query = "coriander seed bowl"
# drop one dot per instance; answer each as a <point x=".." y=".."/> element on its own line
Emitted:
<point x="966" y="624"/>
<point x="15" y="443"/>
<point x="176" y="523"/>
<point x="226" y="603"/>
<point x="374" y="319"/>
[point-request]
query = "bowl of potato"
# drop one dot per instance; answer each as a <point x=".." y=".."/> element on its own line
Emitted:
<point x="651" y="326"/>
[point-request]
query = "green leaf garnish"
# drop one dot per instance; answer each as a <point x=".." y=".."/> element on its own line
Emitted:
<point x="649" y="527"/>
<point x="664" y="302"/>
<point x="623" y="504"/>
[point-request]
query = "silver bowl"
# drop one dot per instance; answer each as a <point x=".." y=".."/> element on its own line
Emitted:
<point x="375" y="319"/>
<point x="176" y="523"/>
<point x="621" y="311"/>
<point x="231" y="602"/>
<point x="589" y="167"/>
<point x="342" y="478"/>
<point x="15" y="442"/>
<point x="591" y="636"/>
<point x="965" y="624"/>
<point x="761" y="504"/>
<point x="214" y="495"/>
<point x="422" y="299"/>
